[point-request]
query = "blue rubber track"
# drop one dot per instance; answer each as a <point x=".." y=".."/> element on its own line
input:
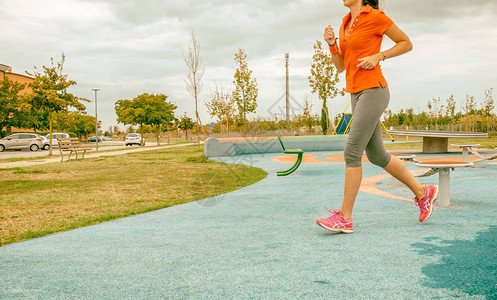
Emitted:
<point x="262" y="242"/>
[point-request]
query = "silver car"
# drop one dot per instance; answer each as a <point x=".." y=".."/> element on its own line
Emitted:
<point x="29" y="141"/>
<point x="46" y="143"/>
<point x="55" y="136"/>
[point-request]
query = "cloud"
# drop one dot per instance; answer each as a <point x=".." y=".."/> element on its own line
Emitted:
<point x="129" y="47"/>
<point x="432" y="12"/>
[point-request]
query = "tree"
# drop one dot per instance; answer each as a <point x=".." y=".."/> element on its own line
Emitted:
<point x="145" y="109"/>
<point x="159" y="112"/>
<point x="323" y="82"/>
<point x="130" y="129"/>
<point x="488" y="102"/>
<point x="222" y="107"/>
<point x="451" y="106"/>
<point x="78" y="122"/>
<point x="306" y="118"/>
<point x="469" y="106"/>
<point x="410" y="116"/>
<point x="10" y="102"/>
<point x="50" y="93"/>
<point x="245" y="90"/>
<point x="83" y="124"/>
<point x="195" y="73"/>
<point x="130" y="112"/>
<point x="436" y="109"/>
<point x="185" y="123"/>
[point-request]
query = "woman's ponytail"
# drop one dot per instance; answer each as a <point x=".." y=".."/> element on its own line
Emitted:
<point x="373" y="3"/>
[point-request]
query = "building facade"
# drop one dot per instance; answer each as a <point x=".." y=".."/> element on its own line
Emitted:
<point x="6" y="72"/>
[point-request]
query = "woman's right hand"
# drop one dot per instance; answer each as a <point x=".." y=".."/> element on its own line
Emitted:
<point x="329" y="35"/>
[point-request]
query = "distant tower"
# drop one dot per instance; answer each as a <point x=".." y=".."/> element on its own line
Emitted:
<point x="287" y="90"/>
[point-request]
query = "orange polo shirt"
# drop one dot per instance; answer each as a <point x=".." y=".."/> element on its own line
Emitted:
<point x="363" y="39"/>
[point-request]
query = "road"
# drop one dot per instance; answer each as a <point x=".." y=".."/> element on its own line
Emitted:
<point x="115" y="148"/>
<point x="104" y="146"/>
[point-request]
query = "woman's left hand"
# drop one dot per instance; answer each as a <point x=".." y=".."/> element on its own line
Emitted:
<point x="369" y="62"/>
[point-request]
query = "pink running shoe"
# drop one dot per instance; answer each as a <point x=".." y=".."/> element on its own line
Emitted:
<point x="336" y="222"/>
<point x="426" y="203"/>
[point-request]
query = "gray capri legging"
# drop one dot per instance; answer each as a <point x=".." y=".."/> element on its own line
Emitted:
<point x="365" y="130"/>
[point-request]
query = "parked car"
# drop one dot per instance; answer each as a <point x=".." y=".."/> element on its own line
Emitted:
<point x="31" y="141"/>
<point x="46" y="143"/>
<point x="93" y="139"/>
<point x="133" y="139"/>
<point x="55" y="136"/>
<point x="106" y="138"/>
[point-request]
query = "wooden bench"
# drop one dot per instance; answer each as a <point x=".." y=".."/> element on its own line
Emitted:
<point x="437" y="141"/>
<point x="71" y="145"/>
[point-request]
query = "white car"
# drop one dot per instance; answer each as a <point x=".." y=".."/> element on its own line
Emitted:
<point x="55" y="136"/>
<point x="133" y="139"/>
<point x="31" y="141"/>
<point x="46" y="143"/>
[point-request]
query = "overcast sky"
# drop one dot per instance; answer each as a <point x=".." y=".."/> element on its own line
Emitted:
<point x="128" y="47"/>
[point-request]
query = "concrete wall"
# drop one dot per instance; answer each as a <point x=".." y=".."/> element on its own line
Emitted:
<point x="214" y="148"/>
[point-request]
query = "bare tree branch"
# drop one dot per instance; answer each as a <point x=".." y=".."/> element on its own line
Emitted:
<point x="193" y="62"/>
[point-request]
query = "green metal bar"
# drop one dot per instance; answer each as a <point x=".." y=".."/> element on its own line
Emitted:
<point x="281" y="142"/>
<point x="293" y="168"/>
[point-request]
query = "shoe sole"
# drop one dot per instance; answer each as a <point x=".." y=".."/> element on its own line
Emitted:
<point x="342" y="230"/>
<point x="433" y="199"/>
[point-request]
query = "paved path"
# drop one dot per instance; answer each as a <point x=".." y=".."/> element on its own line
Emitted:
<point x="262" y="242"/>
<point x="26" y="163"/>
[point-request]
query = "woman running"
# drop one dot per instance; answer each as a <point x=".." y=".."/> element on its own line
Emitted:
<point x="359" y="54"/>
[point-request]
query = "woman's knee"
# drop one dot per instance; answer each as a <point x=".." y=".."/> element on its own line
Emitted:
<point x="381" y="160"/>
<point x="352" y="159"/>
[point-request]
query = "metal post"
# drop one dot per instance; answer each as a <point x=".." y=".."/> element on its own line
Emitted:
<point x="444" y="186"/>
<point x="287" y="90"/>
<point x="465" y="156"/>
<point x="96" y="118"/>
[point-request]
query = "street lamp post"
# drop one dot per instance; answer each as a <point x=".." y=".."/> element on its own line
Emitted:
<point x="96" y="118"/>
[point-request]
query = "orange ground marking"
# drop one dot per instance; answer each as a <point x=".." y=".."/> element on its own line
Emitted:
<point x="306" y="159"/>
<point x="368" y="185"/>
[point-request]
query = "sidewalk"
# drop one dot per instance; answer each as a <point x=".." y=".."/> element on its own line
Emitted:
<point x="56" y="158"/>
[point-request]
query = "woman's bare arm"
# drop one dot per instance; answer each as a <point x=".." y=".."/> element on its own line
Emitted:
<point x="402" y="45"/>
<point x="401" y="40"/>
<point x="337" y="59"/>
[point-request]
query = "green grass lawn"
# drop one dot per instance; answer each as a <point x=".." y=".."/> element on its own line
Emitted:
<point x="44" y="199"/>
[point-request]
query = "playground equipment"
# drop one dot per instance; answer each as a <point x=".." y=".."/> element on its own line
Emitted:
<point x="343" y="126"/>
<point x="471" y="148"/>
<point x="437" y="141"/>
<point x="299" y="153"/>
<point x="443" y="169"/>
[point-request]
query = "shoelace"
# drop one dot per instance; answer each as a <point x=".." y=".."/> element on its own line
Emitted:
<point x="334" y="213"/>
<point x="425" y="204"/>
